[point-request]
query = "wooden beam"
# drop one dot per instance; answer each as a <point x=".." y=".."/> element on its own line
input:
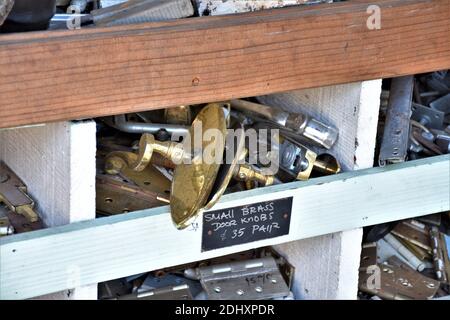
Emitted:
<point x="50" y="76"/>
<point x="87" y="252"/>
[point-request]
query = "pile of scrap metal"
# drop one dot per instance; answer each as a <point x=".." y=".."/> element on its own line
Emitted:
<point x="152" y="158"/>
<point x="407" y="260"/>
<point x="417" y="117"/>
<point x="259" y="274"/>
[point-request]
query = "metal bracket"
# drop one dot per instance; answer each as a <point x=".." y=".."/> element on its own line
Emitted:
<point x="13" y="192"/>
<point x="251" y="279"/>
<point x="394" y="145"/>
<point x="442" y="104"/>
<point x="115" y="195"/>
<point x="429" y="117"/>
<point x="396" y="280"/>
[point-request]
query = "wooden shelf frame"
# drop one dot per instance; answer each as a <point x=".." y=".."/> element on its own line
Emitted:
<point x="87" y="252"/>
<point x="66" y="75"/>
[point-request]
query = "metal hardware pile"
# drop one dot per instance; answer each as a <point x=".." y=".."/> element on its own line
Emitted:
<point x="252" y="275"/>
<point x="416" y="114"/>
<point x="151" y="158"/>
<point x="408" y="259"/>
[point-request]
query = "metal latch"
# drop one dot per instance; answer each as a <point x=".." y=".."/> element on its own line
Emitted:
<point x="255" y="279"/>
<point x="13" y="193"/>
<point x="394" y="146"/>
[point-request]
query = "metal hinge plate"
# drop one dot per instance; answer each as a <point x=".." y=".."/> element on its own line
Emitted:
<point x="252" y="279"/>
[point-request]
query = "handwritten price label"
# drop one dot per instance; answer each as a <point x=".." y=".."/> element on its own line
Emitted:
<point x="243" y="224"/>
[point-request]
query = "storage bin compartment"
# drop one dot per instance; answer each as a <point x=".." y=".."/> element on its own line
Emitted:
<point x="323" y="242"/>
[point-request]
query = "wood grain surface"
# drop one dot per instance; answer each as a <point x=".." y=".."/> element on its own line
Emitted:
<point x="61" y="75"/>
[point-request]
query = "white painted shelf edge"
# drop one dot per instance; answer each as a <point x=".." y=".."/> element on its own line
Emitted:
<point x="82" y="253"/>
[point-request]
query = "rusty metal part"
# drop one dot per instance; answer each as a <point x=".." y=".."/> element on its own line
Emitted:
<point x="419" y="252"/>
<point x="415" y="232"/>
<point x="302" y="124"/>
<point x="445" y="241"/>
<point x="13" y="192"/>
<point x="396" y="281"/>
<point x="438" y="255"/>
<point x="441" y="140"/>
<point x="442" y="104"/>
<point x="431" y="219"/>
<point x="428" y="117"/>
<point x="115" y="195"/>
<point x="394" y="146"/>
<point x="368" y="256"/>
<point x="426" y="143"/>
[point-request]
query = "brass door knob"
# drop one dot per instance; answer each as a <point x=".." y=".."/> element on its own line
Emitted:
<point x="244" y="172"/>
<point x="233" y="169"/>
